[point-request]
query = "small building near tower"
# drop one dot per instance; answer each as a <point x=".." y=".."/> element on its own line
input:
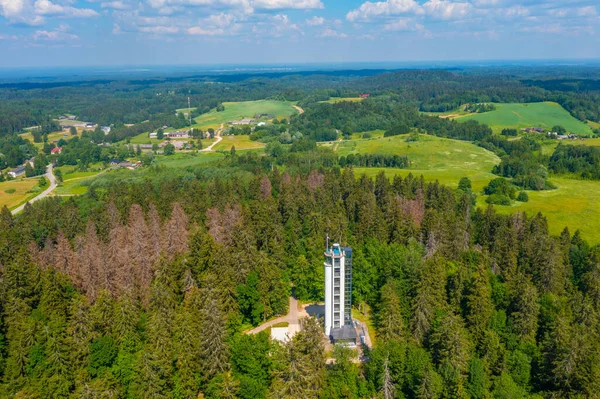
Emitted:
<point x="338" y="295"/>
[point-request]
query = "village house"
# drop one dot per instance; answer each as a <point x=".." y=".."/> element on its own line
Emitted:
<point x="56" y="150"/>
<point x="105" y="129"/>
<point x="153" y="135"/>
<point x="179" y="145"/>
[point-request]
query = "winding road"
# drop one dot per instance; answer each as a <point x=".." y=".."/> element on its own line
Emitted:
<point x="50" y="176"/>
<point x="219" y="138"/>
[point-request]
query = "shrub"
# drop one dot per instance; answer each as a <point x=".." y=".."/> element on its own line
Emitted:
<point x="10" y="191"/>
<point x="523" y="197"/>
<point x="498" y="199"/>
<point x="366" y="135"/>
<point x="501" y="186"/>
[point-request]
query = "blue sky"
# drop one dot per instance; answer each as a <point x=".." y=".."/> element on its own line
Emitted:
<point x="41" y="33"/>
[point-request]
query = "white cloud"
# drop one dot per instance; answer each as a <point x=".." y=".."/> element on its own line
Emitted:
<point x="447" y="10"/>
<point x="369" y="10"/>
<point x="315" y="21"/>
<point x="116" y="5"/>
<point x="332" y="33"/>
<point x="59" y="34"/>
<point x="159" y="29"/>
<point x="287" y="4"/>
<point x="403" y="25"/>
<point x="47" y="8"/>
<point x="216" y="25"/>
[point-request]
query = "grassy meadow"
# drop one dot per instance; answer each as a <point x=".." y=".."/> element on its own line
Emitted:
<point x="245" y="109"/>
<point x="574" y="204"/>
<point x="241" y="142"/>
<point x="335" y="100"/>
<point x="51" y="137"/>
<point x="13" y="193"/>
<point x="436" y="158"/>
<point x="544" y="115"/>
<point x="182" y="160"/>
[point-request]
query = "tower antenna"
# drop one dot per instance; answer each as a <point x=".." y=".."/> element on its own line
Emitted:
<point x="190" y="110"/>
<point x="327" y="242"/>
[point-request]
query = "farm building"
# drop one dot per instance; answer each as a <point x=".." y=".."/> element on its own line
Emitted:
<point x="178" y="135"/>
<point x="17" y="172"/>
<point x="153" y="135"/>
<point x="105" y="129"/>
<point x="245" y="121"/>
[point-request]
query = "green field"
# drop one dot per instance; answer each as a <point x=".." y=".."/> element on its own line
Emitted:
<point x="575" y="204"/>
<point x="436" y="158"/>
<point x="21" y="193"/>
<point x="241" y="142"/>
<point x="51" y="137"/>
<point x="335" y="100"/>
<point x="545" y="115"/>
<point x="182" y="160"/>
<point x="246" y="109"/>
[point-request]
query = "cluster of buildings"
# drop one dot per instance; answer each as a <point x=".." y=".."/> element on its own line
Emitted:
<point x="179" y="134"/>
<point x="125" y="164"/>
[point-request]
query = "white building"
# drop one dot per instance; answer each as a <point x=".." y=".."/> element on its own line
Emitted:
<point x="338" y="294"/>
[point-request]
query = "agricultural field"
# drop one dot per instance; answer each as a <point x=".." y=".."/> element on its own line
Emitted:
<point x="335" y="100"/>
<point x="436" y="158"/>
<point x="245" y="109"/>
<point x="241" y="142"/>
<point x="15" y="192"/>
<point x="514" y="115"/>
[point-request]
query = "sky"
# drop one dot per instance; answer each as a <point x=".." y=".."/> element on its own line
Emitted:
<point x="43" y="33"/>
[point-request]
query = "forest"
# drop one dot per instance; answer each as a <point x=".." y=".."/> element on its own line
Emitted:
<point x="144" y="289"/>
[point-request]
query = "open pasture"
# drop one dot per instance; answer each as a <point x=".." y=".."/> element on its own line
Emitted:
<point x="574" y="204"/>
<point x="246" y="109"/>
<point x="515" y="115"/>
<point x="240" y="142"/>
<point x="13" y="193"/>
<point x="438" y="158"/>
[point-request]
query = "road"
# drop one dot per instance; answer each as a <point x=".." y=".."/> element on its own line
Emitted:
<point x="219" y="138"/>
<point x="293" y="317"/>
<point x="300" y="110"/>
<point x="50" y="176"/>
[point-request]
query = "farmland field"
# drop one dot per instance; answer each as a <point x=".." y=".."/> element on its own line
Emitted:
<point x="514" y="115"/>
<point x="21" y="187"/>
<point x="436" y="158"/>
<point x="245" y="109"/>
<point x="241" y="142"/>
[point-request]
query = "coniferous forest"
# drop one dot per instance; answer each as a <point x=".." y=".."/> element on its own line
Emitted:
<point x="144" y="290"/>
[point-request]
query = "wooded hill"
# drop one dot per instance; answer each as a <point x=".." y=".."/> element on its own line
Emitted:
<point x="143" y="290"/>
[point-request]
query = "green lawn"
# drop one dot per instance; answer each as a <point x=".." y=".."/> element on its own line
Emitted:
<point x="241" y="142"/>
<point x="545" y="115"/>
<point x="335" y="100"/>
<point x="245" y="109"/>
<point x="436" y="158"/>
